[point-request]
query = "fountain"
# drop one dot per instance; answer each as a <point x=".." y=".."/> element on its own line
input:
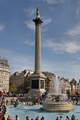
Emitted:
<point x="56" y="101"/>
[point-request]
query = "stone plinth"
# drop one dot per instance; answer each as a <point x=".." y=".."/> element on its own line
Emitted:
<point x="37" y="83"/>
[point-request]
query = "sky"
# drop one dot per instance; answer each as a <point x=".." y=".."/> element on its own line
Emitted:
<point x="60" y="35"/>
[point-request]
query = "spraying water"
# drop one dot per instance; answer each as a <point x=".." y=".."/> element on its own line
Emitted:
<point x="56" y="85"/>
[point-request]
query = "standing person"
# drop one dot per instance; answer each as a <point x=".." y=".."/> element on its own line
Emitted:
<point x="57" y="118"/>
<point x="42" y="118"/>
<point x="67" y="118"/>
<point x="4" y="109"/>
<point x="73" y="117"/>
<point x="61" y="118"/>
<point x="9" y="118"/>
<point x="3" y="117"/>
<point x="6" y="101"/>
<point x="37" y="118"/>
<point x="0" y="116"/>
<point x="17" y="118"/>
<point x="27" y="118"/>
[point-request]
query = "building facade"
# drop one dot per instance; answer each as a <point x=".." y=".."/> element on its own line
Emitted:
<point x="19" y="77"/>
<point x="65" y="86"/>
<point x="4" y="75"/>
<point x="79" y="87"/>
<point x="74" y="86"/>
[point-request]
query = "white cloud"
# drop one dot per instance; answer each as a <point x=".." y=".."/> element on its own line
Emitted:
<point x="2" y="27"/>
<point x="74" y="31"/>
<point x="46" y="21"/>
<point x="29" y="11"/>
<point x="31" y="43"/>
<point x="30" y="24"/>
<point x="69" y="47"/>
<point x="55" y="1"/>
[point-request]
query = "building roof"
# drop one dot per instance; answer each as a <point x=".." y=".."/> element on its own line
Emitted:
<point x="4" y="62"/>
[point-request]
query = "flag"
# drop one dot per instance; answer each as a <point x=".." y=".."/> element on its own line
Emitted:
<point x="0" y="57"/>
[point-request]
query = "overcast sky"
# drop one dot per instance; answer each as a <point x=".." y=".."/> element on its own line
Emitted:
<point x="60" y="35"/>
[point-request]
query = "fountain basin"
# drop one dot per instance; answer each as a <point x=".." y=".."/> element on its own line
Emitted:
<point x="57" y="106"/>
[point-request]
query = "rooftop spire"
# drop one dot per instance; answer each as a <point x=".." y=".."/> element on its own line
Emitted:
<point x="37" y="13"/>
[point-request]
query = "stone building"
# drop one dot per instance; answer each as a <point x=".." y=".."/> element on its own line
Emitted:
<point x="65" y="85"/>
<point x="4" y="75"/>
<point x="74" y="86"/>
<point x="19" y="77"/>
<point x="79" y="87"/>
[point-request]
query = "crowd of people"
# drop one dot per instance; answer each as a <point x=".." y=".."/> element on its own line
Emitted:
<point x="67" y="118"/>
<point x="58" y="118"/>
<point x="2" y="108"/>
<point x="14" y="102"/>
<point x="42" y="118"/>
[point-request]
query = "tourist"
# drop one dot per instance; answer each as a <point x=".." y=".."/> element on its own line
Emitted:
<point x="9" y="118"/>
<point x="57" y="118"/>
<point x="3" y="117"/>
<point x="61" y="118"/>
<point x="6" y="101"/>
<point x="37" y="118"/>
<point x="42" y="118"/>
<point x="17" y="118"/>
<point x="4" y="109"/>
<point x="67" y="118"/>
<point x="0" y="116"/>
<point x="27" y="118"/>
<point x="73" y="117"/>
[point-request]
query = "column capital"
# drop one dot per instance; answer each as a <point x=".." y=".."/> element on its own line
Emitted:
<point x="37" y="20"/>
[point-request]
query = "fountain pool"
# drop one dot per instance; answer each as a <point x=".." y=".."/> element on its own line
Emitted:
<point x="34" y="111"/>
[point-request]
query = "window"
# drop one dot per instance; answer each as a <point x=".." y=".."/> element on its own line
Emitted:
<point x="35" y="84"/>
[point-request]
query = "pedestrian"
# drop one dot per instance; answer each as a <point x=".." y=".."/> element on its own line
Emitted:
<point x="6" y="101"/>
<point x="27" y="118"/>
<point x="37" y="118"/>
<point x="42" y="118"/>
<point x="57" y="118"/>
<point x="9" y="118"/>
<point x="61" y="118"/>
<point x="3" y="117"/>
<point x="73" y="117"/>
<point x="17" y="118"/>
<point x="67" y="118"/>
<point x="4" y="109"/>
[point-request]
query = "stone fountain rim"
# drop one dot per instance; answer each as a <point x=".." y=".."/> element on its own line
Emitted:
<point x="60" y="102"/>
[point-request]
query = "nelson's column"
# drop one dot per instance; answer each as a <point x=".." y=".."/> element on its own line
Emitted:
<point x="37" y="78"/>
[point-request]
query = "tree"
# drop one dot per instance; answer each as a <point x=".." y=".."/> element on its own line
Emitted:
<point x="12" y="87"/>
<point x="27" y="88"/>
<point x="20" y="88"/>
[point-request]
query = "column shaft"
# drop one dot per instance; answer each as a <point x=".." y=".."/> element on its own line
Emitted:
<point x="38" y="48"/>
